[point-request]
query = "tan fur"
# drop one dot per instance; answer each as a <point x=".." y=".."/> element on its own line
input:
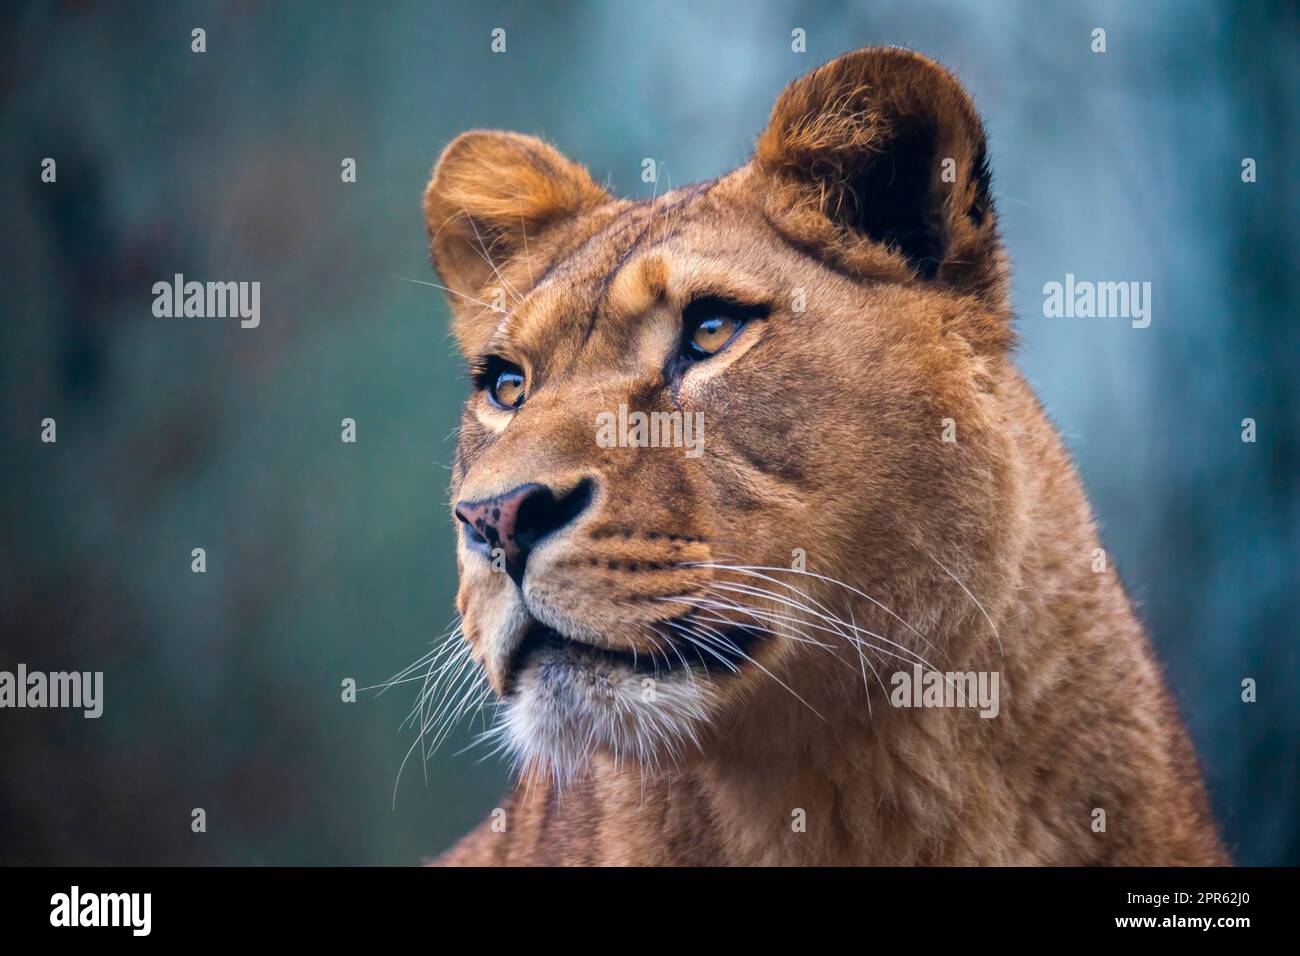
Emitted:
<point x="823" y="434"/>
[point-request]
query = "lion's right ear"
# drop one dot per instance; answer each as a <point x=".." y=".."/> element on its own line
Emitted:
<point x="490" y="194"/>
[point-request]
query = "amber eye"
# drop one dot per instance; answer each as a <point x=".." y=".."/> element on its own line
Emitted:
<point x="713" y="333"/>
<point x="505" y="384"/>
<point x="711" y="324"/>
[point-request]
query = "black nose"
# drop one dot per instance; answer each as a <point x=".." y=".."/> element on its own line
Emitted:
<point x="519" y="520"/>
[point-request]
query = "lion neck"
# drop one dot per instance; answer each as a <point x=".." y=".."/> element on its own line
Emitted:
<point x="839" y="776"/>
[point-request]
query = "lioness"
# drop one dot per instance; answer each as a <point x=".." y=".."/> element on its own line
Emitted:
<point x="711" y="658"/>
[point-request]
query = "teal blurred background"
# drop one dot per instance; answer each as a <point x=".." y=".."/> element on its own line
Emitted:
<point x="327" y="560"/>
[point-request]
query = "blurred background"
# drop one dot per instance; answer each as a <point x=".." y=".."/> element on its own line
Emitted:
<point x="327" y="560"/>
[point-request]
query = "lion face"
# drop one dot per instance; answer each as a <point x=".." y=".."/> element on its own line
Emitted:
<point x="700" y="424"/>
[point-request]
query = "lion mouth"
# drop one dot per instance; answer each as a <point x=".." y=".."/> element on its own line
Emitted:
<point x="712" y="654"/>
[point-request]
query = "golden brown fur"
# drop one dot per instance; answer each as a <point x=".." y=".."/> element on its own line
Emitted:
<point x="825" y="433"/>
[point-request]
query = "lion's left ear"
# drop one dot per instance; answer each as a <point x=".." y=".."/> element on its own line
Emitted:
<point x="884" y="144"/>
<point x="490" y="193"/>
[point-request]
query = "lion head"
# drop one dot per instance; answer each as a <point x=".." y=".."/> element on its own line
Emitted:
<point x="723" y="445"/>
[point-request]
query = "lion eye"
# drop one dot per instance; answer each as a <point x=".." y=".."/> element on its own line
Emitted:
<point x="505" y="386"/>
<point x="713" y="333"/>
<point x="711" y="324"/>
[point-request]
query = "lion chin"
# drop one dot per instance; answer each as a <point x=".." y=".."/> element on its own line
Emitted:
<point x="570" y="699"/>
<point x="758" y="521"/>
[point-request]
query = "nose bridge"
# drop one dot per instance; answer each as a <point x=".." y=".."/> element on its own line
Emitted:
<point x="552" y="440"/>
